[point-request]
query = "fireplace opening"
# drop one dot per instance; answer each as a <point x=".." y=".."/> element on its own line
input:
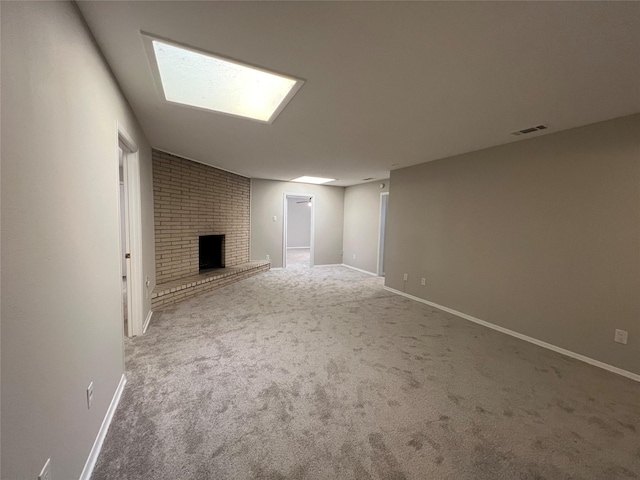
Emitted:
<point x="211" y="252"/>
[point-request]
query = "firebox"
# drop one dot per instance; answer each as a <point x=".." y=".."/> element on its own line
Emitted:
<point x="211" y="252"/>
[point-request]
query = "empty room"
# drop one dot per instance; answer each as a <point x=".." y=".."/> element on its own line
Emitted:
<point x="319" y="240"/>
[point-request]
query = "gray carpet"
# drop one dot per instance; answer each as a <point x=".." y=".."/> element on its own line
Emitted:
<point x="319" y="373"/>
<point x="298" y="257"/>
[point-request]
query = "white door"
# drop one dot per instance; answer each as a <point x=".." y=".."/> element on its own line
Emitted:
<point x="384" y="202"/>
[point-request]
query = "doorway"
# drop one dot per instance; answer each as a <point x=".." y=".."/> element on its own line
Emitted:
<point x="298" y="219"/>
<point x="130" y="227"/>
<point x="124" y="245"/>
<point x="384" y="203"/>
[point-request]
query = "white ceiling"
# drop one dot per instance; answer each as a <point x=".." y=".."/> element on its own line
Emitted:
<point x="387" y="84"/>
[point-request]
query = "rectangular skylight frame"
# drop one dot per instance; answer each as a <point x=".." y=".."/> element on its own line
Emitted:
<point x="313" y="180"/>
<point x="148" y="40"/>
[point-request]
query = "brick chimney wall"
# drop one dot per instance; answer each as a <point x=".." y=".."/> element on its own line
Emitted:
<point x="192" y="199"/>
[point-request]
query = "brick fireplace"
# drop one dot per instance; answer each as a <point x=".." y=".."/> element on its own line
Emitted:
<point x="192" y="200"/>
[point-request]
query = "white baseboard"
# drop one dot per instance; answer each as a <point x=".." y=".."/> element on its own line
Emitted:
<point x="315" y="266"/>
<point x="97" y="444"/>
<point x="526" y="338"/>
<point x="360" y="270"/>
<point x="146" y="322"/>
<point x="294" y="248"/>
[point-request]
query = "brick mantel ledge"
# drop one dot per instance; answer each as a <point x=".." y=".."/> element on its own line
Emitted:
<point x="176" y="291"/>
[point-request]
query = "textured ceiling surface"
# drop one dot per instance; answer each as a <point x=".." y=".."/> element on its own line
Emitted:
<point x="387" y="84"/>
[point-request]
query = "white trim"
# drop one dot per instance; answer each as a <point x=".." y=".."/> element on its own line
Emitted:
<point x="328" y="265"/>
<point x="135" y="281"/>
<point x="526" y="338"/>
<point x="123" y="229"/>
<point x="312" y="247"/>
<point x="360" y="270"/>
<point x="146" y="322"/>
<point x="380" y="244"/>
<point x="125" y="139"/>
<point x="102" y="433"/>
<point x="299" y="248"/>
<point x="285" y="208"/>
<point x="275" y="268"/>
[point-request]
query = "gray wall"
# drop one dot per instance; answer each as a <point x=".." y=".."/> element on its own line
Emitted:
<point x="61" y="307"/>
<point x="362" y="224"/>
<point x="298" y="222"/>
<point x="540" y="236"/>
<point x="267" y="201"/>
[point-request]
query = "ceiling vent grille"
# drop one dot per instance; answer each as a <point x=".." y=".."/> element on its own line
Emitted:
<point x="524" y="131"/>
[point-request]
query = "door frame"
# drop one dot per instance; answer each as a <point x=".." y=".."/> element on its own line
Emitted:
<point x="285" y="208"/>
<point x="123" y="217"/>
<point x="133" y="238"/>
<point x="381" y="232"/>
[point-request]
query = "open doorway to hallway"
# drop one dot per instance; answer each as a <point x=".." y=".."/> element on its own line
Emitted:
<point x="298" y="230"/>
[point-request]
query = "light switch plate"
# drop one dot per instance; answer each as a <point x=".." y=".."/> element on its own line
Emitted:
<point x="621" y="336"/>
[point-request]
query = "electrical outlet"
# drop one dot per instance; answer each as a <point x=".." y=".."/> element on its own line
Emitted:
<point x="45" y="473"/>
<point x="406" y="277"/>
<point x="90" y="395"/>
<point x="621" y="336"/>
<point x="423" y="282"/>
<point x="268" y="258"/>
<point x="354" y="256"/>
<point x="275" y="218"/>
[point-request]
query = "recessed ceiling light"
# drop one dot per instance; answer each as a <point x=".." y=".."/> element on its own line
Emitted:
<point x="316" y="180"/>
<point x="198" y="79"/>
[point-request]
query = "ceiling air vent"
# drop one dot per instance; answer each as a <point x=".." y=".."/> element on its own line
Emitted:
<point x="530" y="130"/>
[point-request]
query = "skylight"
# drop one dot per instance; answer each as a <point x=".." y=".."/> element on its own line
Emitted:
<point x="316" y="180"/>
<point x="203" y="80"/>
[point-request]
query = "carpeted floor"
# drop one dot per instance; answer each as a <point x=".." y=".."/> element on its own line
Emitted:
<point x="298" y="257"/>
<point x="319" y="373"/>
